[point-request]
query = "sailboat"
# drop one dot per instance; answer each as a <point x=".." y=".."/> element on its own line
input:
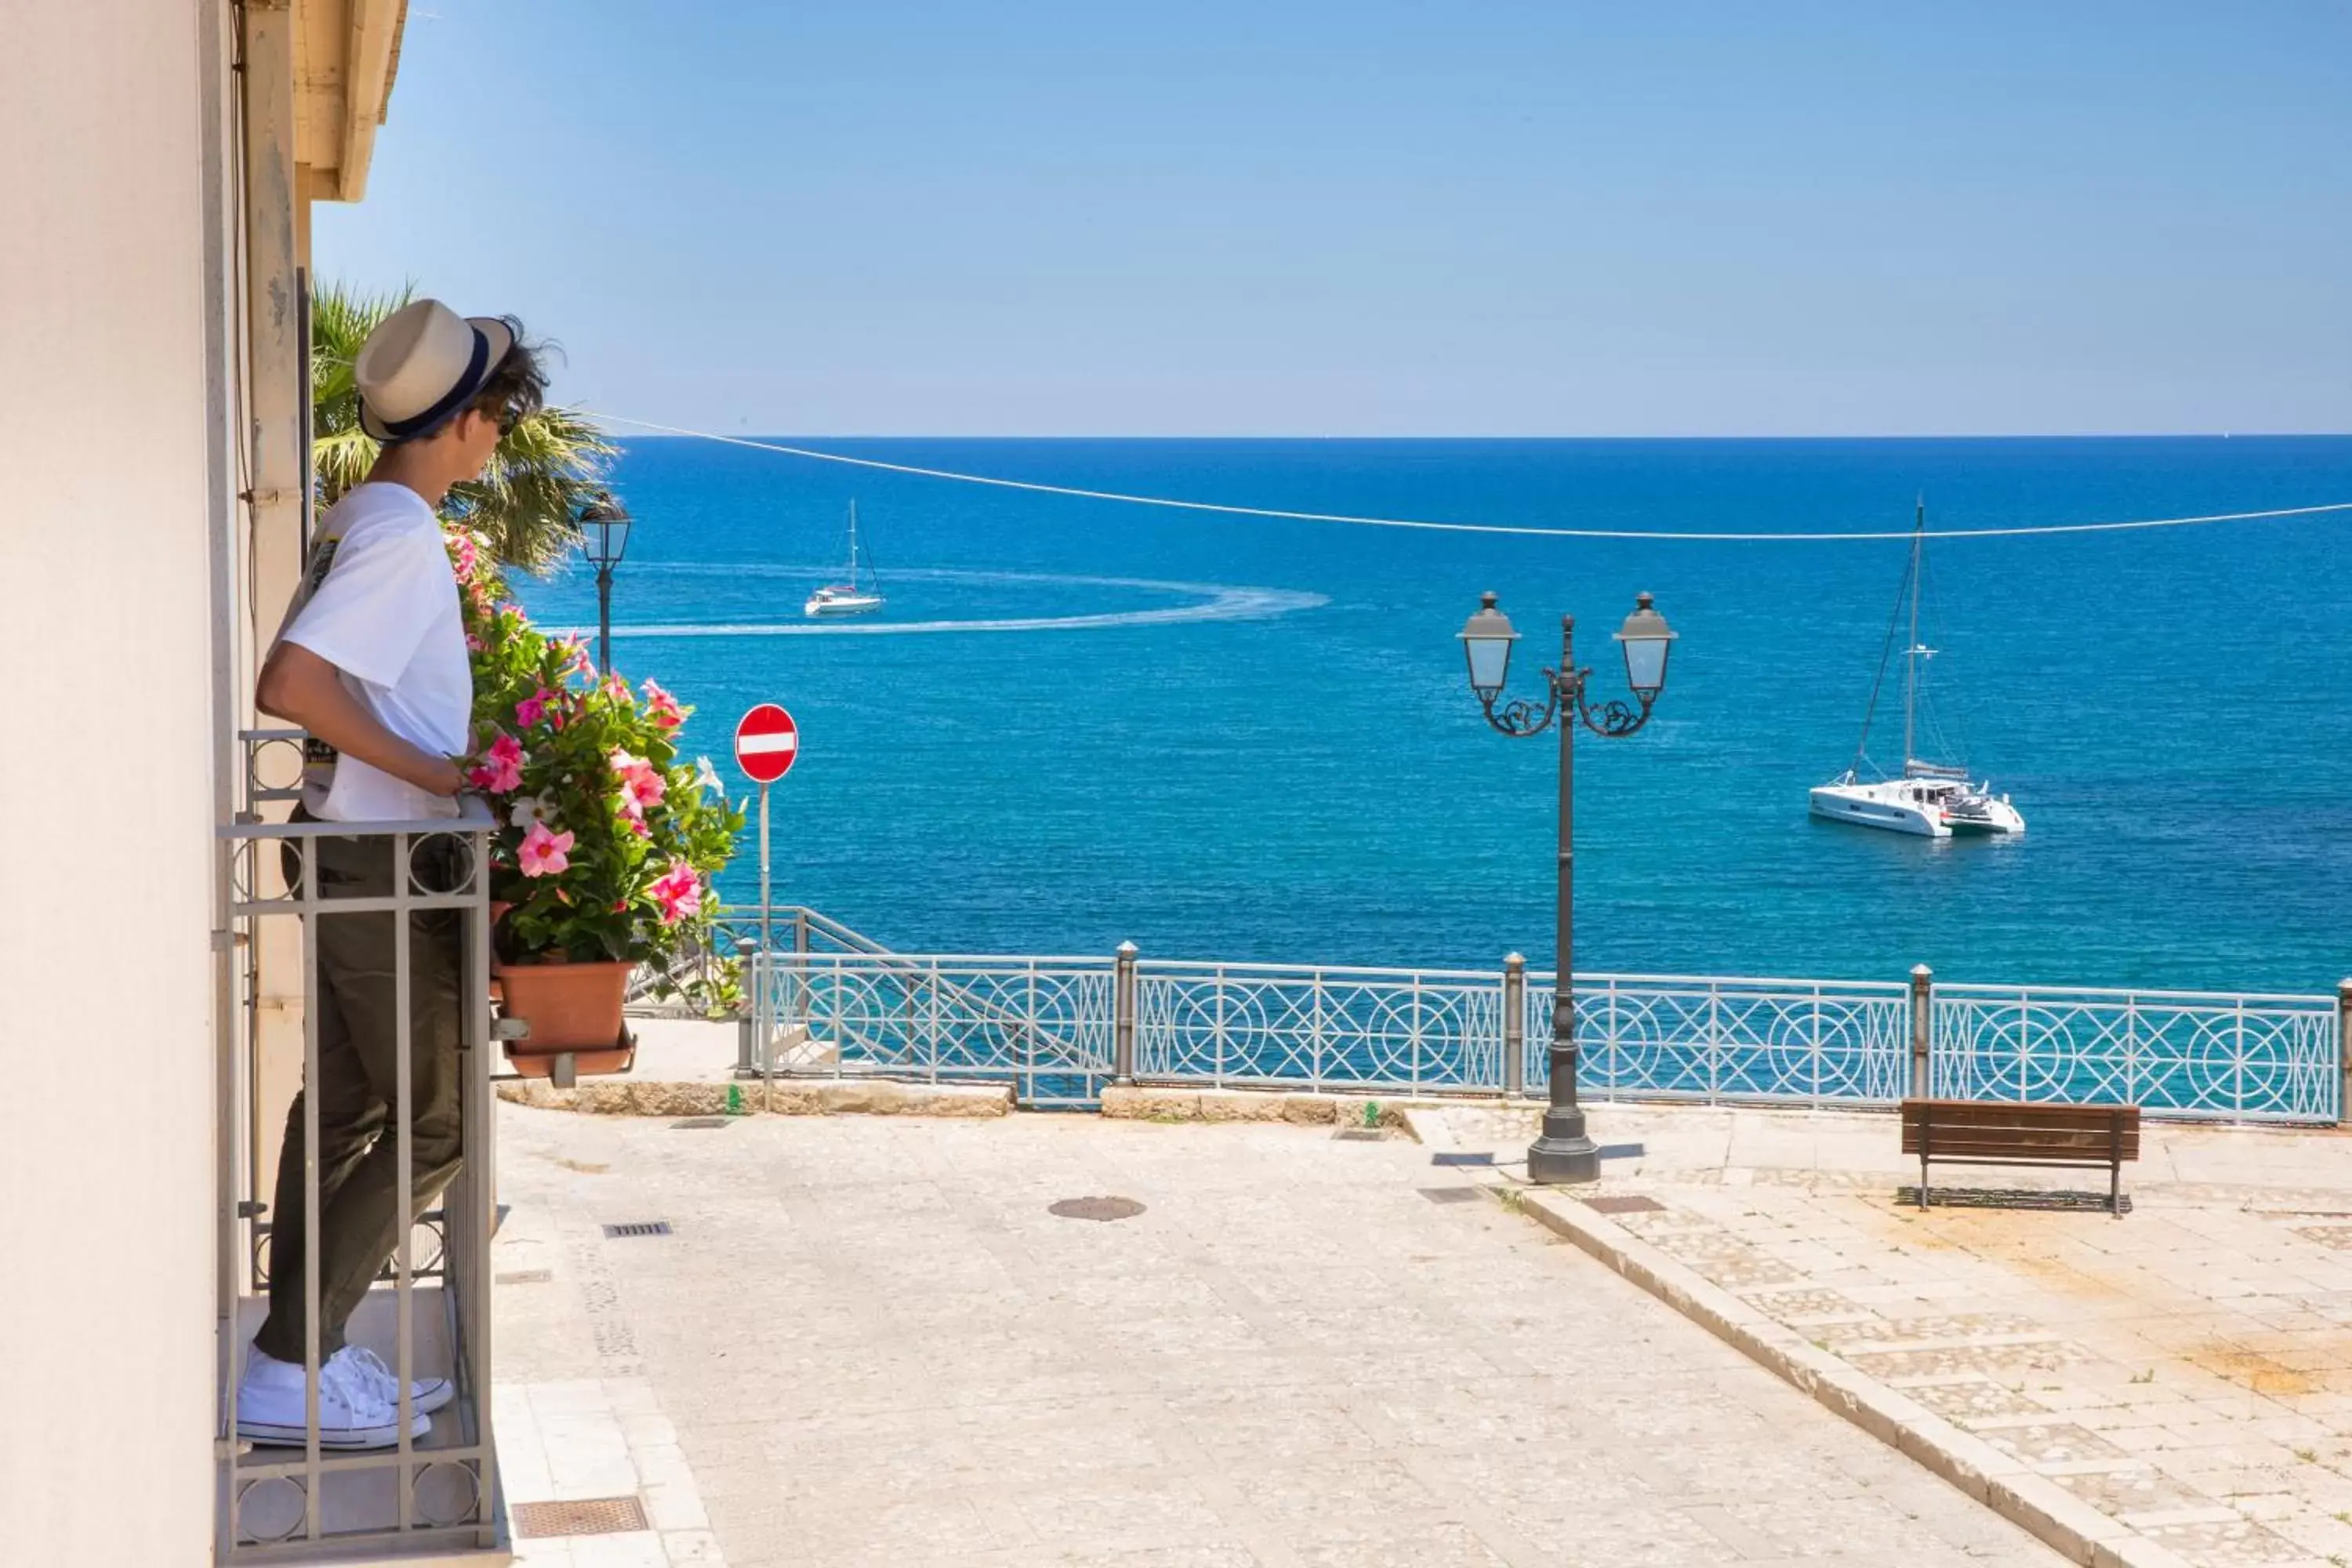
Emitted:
<point x="1934" y="800"/>
<point x="845" y="598"/>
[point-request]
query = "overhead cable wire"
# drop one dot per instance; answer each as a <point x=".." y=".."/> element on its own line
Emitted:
<point x="1520" y="530"/>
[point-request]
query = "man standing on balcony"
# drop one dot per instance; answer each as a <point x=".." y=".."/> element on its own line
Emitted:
<point x="373" y="665"/>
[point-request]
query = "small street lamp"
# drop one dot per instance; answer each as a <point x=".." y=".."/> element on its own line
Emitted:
<point x="605" y="537"/>
<point x="1564" y="1152"/>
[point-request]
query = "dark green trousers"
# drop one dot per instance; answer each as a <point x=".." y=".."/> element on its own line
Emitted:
<point x="357" y="1004"/>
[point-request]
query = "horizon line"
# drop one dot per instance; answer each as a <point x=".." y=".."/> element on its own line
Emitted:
<point x="744" y="432"/>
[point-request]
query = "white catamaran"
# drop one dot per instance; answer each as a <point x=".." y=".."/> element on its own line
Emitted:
<point x="845" y="598"/>
<point x="1935" y="800"/>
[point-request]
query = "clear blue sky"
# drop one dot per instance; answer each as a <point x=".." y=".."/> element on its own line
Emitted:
<point x="1517" y="217"/>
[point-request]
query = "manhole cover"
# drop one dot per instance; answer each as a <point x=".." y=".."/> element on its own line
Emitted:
<point x="1627" y="1203"/>
<point x="1097" y="1208"/>
<point x="1449" y="1194"/>
<point x="638" y="1227"/>
<point x="588" y="1516"/>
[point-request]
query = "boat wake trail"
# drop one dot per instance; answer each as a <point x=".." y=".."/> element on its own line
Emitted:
<point x="1210" y="602"/>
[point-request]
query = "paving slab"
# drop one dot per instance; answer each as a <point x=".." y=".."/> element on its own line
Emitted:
<point x="574" y="1416"/>
<point x="871" y="1340"/>
<point x="2184" y="1373"/>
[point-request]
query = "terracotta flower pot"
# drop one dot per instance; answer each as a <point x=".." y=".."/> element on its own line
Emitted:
<point x="573" y="1007"/>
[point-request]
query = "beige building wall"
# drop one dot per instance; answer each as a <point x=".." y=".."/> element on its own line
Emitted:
<point x="112" y="484"/>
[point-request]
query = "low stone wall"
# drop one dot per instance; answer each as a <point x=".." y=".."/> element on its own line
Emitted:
<point x="785" y="1097"/>
<point x="888" y="1097"/>
<point x="1146" y="1103"/>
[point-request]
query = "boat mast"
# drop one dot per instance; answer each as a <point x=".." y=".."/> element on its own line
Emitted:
<point x="853" y="553"/>
<point x="1911" y="654"/>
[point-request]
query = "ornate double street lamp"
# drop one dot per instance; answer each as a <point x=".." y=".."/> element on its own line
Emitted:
<point x="1564" y="1152"/>
<point x="605" y="537"/>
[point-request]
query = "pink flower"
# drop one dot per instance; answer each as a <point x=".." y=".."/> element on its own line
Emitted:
<point x="633" y="816"/>
<point x="642" y="781"/>
<point x="475" y="644"/>
<point x="544" y="854"/>
<point x="616" y="689"/>
<point x="528" y="710"/>
<point x="502" y="768"/>
<point x="467" y="557"/>
<point x="680" y="893"/>
<point x="664" y="707"/>
<point x="581" y="663"/>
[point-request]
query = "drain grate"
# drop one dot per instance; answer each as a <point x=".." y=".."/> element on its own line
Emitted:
<point x="1623" y="1151"/>
<point x="638" y="1227"/>
<point x="700" y="1123"/>
<point x="1483" y="1158"/>
<point x="1624" y="1203"/>
<point x="1361" y="1134"/>
<point x="587" y="1516"/>
<point x="1097" y="1208"/>
<point x="1449" y="1194"/>
<point x="525" y="1277"/>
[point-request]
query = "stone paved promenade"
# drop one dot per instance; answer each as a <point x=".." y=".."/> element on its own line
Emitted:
<point x="2185" y="1372"/>
<point x="867" y="1342"/>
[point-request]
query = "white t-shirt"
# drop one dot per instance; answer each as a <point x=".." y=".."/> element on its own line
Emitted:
<point x="381" y="607"/>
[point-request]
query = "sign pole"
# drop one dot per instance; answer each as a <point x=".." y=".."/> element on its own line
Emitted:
<point x="762" y="1010"/>
<point x="767" y="743"/>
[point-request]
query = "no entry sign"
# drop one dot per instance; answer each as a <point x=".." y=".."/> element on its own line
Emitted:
<point x="767" y="743"/>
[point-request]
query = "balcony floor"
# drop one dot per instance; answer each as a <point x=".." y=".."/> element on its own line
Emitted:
<point x="364" y="1500"/>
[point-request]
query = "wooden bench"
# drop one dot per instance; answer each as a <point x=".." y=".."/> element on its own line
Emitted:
<point x="2015" y="1132"/>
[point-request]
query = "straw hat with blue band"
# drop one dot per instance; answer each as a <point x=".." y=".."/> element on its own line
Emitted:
<point x="422" y="365"/>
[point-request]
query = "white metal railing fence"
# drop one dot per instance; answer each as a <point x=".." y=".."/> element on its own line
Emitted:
<point x="1707" y="1038"/>
<point x="1043" y="1025"/>
<point x="2251" y="1058"/>
<point x="1059" y="1028"/>
<point x="1319" y="1029"/>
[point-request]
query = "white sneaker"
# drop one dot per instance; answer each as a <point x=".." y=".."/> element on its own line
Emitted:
<point x="426" y="1394"/>
<point x="270" y="1399"/>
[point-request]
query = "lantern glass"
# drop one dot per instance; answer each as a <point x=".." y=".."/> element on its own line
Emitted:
<point x="604" y="527"/>
<point x="616" y="537"/>
<point x="1487" y="639"/>
<point x="1647" y="640"/>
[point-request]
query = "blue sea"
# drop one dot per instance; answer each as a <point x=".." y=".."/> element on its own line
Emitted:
<point x="1079" y="723"/>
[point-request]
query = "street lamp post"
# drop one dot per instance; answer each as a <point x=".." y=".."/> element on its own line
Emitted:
<point x="604" y="536"/>
<point x="1564" y="1152"/>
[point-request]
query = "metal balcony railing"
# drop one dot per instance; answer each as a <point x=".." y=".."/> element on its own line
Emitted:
<point x="429" y="1313"/>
